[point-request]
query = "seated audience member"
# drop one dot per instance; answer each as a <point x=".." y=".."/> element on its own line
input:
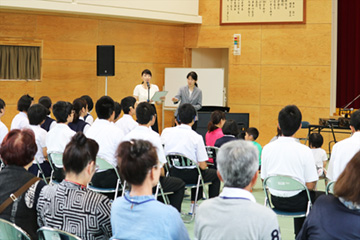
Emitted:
<point x="182" y="139"/>
<point x="89" y="106"/>
<point x="235" y="213"/>
<point x="145" y="115"/>
<point x="214" y="127"/>
<point x="77" y="124"/>
<point x="137" y="215"/>
<point x="70" y="206"/>
<point x="320" y="156"/>
<point x="49" y="122"/>
<point x="37" y="115"/>
<point x="286" y="156"/>
<point x="337" y="216"/>
<point x="344" y="150"/>
<point x="60" y="135"/>
<point x="117" y="111"/>
<point x="251" y="134"/>
<point x="21" y="120"/>
<point x="108" y="136"/>
<point x="127" y="123"/>
<point x="230" y="130"/>
<point x="3" y="129"/>
<point x="278" y="134"/>
<point x="17" y="151"/>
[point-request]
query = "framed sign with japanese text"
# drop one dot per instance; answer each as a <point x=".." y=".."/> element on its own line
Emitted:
<point x="262" y="11"/>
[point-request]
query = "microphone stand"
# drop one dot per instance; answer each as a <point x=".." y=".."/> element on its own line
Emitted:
<point x="148" y="85"/>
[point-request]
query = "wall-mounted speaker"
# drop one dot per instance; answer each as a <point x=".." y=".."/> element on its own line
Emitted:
<point x="105" y="60"/>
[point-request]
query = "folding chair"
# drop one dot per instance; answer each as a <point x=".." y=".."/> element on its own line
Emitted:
<point x="330" y="188"/>
<point x="285" y="183"/>
<point x="9" y="230"/>
<point x="179" y="161"/>
<point x="103" y="166"/>
<point x="212" y="152"/>
<point x="164" y="195"/>
<point x="47" y="233"/>
<point x="56" y="164"/>
<point x="41" y="172"/>
<point x="2" y="164"/>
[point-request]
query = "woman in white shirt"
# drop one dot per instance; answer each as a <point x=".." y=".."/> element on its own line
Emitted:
<point x="145" y="91"/>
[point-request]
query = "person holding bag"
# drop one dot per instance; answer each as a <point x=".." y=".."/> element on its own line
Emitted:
<point x="19" y="189"/>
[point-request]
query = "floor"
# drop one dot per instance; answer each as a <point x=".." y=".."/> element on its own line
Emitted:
<point x="286" y="224"/>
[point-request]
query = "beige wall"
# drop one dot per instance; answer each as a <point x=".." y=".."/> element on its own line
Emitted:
<point x="280" y="64"/>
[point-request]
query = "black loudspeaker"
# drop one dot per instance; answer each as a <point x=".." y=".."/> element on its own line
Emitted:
<point x="105" y="60"/>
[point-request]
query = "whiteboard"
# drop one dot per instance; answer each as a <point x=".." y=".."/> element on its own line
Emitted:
<point x="210" y="81"/>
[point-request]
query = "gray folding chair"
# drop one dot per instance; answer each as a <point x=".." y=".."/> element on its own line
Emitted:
<point x="212" y="152"/>
<point x="56" y="164"/>
<point x="180" y="161"/>
<point x="285" y="183"/>
<point x="103" y="166"/>
<point x="9" y="230"/>
<point x="47" y="233"/>
<point x="330" y="188"/>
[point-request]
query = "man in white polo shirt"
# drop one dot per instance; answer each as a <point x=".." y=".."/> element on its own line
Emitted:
<point x="344" y="151"/>
<point x="108" y="136"/>
<point x="21" y="120"/>
<point x="145" y="115"/>
<point x="182" y="139"/>
<point x="286" y="156"/>
<point x="127" y="123"/>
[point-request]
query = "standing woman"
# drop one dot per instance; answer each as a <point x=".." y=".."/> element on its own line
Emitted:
<point x="190" y="94"/>
<point x="145" y="91"/>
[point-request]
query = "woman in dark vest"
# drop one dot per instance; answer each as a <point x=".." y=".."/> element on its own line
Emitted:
<point x="79" y="125"/>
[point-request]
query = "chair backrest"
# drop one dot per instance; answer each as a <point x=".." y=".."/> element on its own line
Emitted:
<point x="47" y="233"/>
<point x="56" y="159"/>
<point x="284" y="183"/>
<point x="9" y="230"/>
<point x="180" y="161"/>
<point x="330" y="187"/>
<point x="103" y="165"/>
<point x="211" y="151"/>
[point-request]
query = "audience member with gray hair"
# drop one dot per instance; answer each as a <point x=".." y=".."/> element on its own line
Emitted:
<point x="235" y="213"/>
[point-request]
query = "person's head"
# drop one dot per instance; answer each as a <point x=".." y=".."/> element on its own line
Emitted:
<point x="24" y="103"/>
<point x="18" y="147"/>
<point x="79" y="105"/>
<point x="37" y="114"/>
<point x="79" y="154"/>
<point x="355" y="120"/>
<point x="46" y="102"/>
<point x="146" y="76"/>
<point x="217" y="120"/>
<point x="105" y="108"/>
<point x="128" y="105"/>
<point x="144" y="113"/>
<point x="237" y="163"/>
<point x="192" y="78"/>
<point x="231" y="128"/>
<point x="63" y="112"/>
<point x="347" y="185"/>
<point x="89" y="102"/>
<point x="186" y="113"/>
<point x="136" y="160"/>
<point x="117" y="111"/>
<point x="289" y="120"/>
<point x="2" y="107"/>
<point x="316" y="140"/>
<point x="251" y="134"/>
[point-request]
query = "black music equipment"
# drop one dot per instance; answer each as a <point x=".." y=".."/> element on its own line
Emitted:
<point x="105" y="60"/>
<point x="344" y="122"/>
<point x="328" y="122"/>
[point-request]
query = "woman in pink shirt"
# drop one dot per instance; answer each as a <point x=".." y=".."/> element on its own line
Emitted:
<point x="217" y="121"/>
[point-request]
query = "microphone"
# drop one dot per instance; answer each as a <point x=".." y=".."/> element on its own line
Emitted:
<point x="148" y="85"/>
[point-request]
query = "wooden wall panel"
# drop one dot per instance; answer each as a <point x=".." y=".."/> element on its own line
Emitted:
<point x="318" y="11"/>
<point x="69" y="50"/>
<point x="17" y="25"/>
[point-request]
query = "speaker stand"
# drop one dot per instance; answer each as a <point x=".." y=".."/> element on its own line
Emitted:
<point x="106" y="85"/>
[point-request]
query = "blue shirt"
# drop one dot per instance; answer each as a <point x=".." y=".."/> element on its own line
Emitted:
<point x="142" y="217"/>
